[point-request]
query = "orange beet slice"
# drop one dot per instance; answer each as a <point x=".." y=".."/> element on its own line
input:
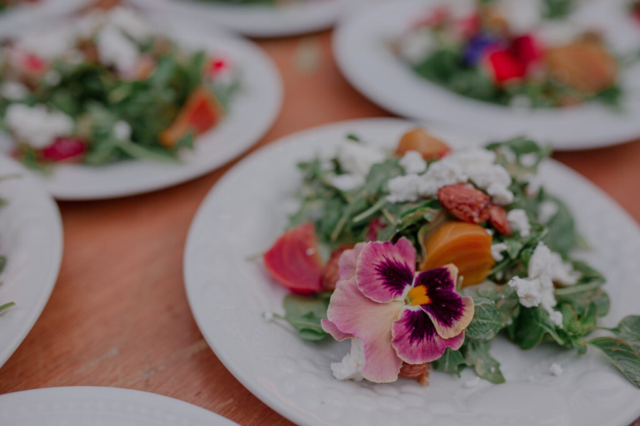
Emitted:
<point x="200" y="113"/>
<point x="294" y="260"/>
<point x="418" y="140"/>
<point x="466" y="245"/>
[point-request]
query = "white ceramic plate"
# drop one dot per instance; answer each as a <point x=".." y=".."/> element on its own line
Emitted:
<point x="260" y="21"/>
<point x="365" y="60"/>
<point x="251" y="114"/>
<point x="95" y="406"/>
<point x="31" y="239"/>
<point x="18" y="15"/>
<point x="244" y="214"/>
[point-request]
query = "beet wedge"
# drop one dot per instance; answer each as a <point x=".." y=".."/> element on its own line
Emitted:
<point x="294" y="260"/>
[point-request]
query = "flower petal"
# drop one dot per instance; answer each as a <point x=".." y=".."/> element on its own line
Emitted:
<point x="353" y="313"/>
<point x="385" y="269"/>
<point x="416" y="340"/>
<point x="449" y="312"/>
<point x="333" y="330"/>
<point x="348" y="261"/>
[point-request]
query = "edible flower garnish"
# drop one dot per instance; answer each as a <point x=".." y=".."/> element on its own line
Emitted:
<point x="399" y="315"/>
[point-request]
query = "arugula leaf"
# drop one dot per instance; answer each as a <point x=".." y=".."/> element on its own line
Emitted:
<point x="486" y="322"/>
<point x="304" y="314"/>
<point x="485" y="366"/>
<point x="557" y="9"/>
<point x="451" y="362"/>
<point x="623" y="356"/>
<point x="6" y="306"/>
<point x="531" y="325"/>
<point x="563" y="235"/>
<point x="629" y="330"/>
<point x="580" y="296"/>
<point x="3" y="263"/>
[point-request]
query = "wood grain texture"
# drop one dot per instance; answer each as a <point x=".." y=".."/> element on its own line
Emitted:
<point x="119" y="314"/>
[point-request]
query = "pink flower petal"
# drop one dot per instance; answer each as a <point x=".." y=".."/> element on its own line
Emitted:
<point x="331" y="328"/>
<point x="353" y="313"/>
<point x="385" y="269"/>
<point x="416" y="340"/>
<point x="348" y="261"/>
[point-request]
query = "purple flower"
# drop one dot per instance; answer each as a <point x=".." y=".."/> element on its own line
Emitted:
<point x="477" y="46"/>
<point x="399" y="314"/>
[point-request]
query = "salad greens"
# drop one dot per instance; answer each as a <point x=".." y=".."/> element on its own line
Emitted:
<point x="343" y="218"/>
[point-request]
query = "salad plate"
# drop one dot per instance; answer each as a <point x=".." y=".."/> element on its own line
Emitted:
<point x="448" y="62"/>
<point x="261" y="18"/>
<point x="94" y="406"/>
<point x="143" y="120"/>
<point x="282" y="353"/>
<point x="31" y="248"/>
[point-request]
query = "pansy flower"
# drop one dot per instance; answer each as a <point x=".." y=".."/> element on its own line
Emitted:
<point x="400" y="315"/>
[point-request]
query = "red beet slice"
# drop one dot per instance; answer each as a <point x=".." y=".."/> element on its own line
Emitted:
<point x="498" y="219"/>
<point x="64" y="149"/>
<point x="465" y="202"/>
<point x="294" y="260"/>
<point x="504" y="66"/>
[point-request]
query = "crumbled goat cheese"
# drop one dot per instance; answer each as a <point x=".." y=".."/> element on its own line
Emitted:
<point x="13" y="90"/>
<point x="529" y="159"/>
<point x="556" y="370"/>
<point x="439" y="174"/>
<point x="403" y="189"/>
<point x="114" y="48"/>
<point x="546" y="211"/>
<point x="52" y="78"/>
<point x="478" y="165"/>
<point x="268" y="316"/>
<point x="519" y="222"/>
<point x="522" y="15"/>
<point x="415" y="46"/>
<point x="562" y="272"/>
<point x="469" y="384"/>
<point x="534" y="183"/>
<point x="347" y="182"/>
<point x="122" y="130"/>
<point x="36" y="125"/>
<point x="537" y="289"/>
<point x="130" y="22"/>
<point x="413" y="163"/>
<point x="352" y="364"/>
<point x="357" y="158"/>
<point x="49" y="44"/>
<point x="496" y="251"/>
<point x="508" y="154"/>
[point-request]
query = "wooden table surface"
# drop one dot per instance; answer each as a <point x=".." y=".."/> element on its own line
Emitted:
<point x="119" y="315"/>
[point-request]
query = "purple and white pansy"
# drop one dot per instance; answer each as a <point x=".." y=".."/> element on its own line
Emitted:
<point x="398" y="313"/>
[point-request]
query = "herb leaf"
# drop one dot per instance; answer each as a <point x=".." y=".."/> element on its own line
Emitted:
<point x="623" y="356"/>
<point x="629" y="330"/>
<point x="486" y="322"/>
<point x="485" y="366"/>
<point x="451" y="362"/>
<point x="304" y="314"/>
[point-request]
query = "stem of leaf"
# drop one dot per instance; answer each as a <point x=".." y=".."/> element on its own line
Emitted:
<point x="370" y="211"/>
<point x="577" y="289"/>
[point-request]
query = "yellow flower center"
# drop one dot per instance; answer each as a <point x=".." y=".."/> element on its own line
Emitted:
<point x="418" y="296"/>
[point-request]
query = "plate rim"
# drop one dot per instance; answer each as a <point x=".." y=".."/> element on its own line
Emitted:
<point x="266" y="397"/>
<point x="113" y="393"/>
<point x="58" y="252"/>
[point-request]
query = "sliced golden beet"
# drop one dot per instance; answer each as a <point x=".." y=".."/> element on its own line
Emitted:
<point x="418" y="140"/>
<point x="466" y="245"/>
<point x="200" y="113"/>
<point x="585" y="65"/>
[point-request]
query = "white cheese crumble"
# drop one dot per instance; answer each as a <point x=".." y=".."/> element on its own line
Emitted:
<point x="122" y="130"/>
<point x="529" y="159"/>
<point x="267" y="316"/>
<point x="114" y="48"/>
<point x="347" y="182"/>
<point x="496" y="251"/>
<point x="37" y="126"/>
<point x="413" y="163"/>
<point x="52" y="78"/>
<point x="508" y="154"/>
<point x="48" y="45"/>
<point x="547" y="211"/>
<point x="13" y="90"/>
<point x="562" y="272"/>
<point x="472" y="383"/>
<point x="537" y="289"/>
<point x="358" y="158"/>
<point x="403" y="189"/>
<point x="352" y="364"/>
<point x="556" y="370"/>
<point x="519" y="221"/>
<point x="534" y="184"/>
<point x="439" y="174"/>
<point x="130" y="22"/>
<point x="415" y="46"/>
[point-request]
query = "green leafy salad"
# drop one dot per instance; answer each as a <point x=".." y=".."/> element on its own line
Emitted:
<point x="423" y="256"/>
<point x="508" y="56"/>
<point x="3" y="259"/>
<point x="105" y="87"/>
